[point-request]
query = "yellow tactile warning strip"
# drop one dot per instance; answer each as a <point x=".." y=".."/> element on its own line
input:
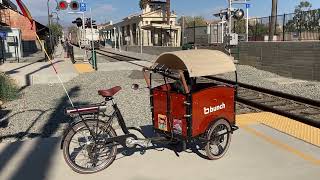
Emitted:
<point x="83" y="68"/>
<point x="282" y="145"/>
<point x="283" y="124"/>
<point x="294" y="128"/>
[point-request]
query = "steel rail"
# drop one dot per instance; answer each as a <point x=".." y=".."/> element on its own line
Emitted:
<point x="269" y="91"/>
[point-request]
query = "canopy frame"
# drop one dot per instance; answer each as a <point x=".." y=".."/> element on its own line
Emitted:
<point x="198" y="63"/>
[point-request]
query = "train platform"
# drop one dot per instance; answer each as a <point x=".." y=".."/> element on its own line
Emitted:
<point x="30" y="73"/>
<point x="265" y="147"/>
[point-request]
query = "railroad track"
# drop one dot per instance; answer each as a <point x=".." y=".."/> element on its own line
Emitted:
<point x="255" y="98"/>
<point x="120" y="57"/>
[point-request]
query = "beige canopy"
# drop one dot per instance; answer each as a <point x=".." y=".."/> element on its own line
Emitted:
<point x="201" y="62"/>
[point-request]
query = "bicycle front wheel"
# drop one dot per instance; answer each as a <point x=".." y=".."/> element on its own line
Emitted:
<point x="86" y="152"/>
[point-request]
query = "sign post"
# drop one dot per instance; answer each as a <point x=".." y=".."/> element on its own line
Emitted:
<point x="247" y="21"/>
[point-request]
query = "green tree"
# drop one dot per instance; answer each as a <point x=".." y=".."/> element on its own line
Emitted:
<point x="240" y="26"/>
<point x="56" y="30"/>
<point x="189" y="21"/>
<point x="304" y="18"/>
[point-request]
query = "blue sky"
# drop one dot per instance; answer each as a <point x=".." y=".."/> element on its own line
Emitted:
<point x="106" y="10"/>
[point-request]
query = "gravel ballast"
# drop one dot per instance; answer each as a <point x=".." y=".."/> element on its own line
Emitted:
<point x="250" y="75"/>
<point x="40" y="110"/>
<point x="256" y="77"/>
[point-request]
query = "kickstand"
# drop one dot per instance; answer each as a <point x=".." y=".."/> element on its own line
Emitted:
<point x="175" y="151"/>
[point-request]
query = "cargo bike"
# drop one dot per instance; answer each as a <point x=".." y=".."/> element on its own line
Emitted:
<point x="185" y="110"/>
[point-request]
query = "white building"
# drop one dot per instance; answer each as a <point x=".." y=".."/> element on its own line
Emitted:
<point x="149" y="28"/>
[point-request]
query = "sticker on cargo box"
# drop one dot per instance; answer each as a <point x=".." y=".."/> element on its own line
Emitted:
<point x="177" y="126"/>
<point x="162" y="122"/>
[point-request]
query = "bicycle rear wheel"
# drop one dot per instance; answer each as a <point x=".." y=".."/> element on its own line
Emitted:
<point x="85" y="153"/>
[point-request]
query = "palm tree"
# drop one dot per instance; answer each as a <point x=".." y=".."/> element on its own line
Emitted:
<point x="273" y="19"/>
<point x="143" y="3"/>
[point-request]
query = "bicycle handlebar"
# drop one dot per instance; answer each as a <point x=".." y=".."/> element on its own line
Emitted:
<point x="162" y="69"/>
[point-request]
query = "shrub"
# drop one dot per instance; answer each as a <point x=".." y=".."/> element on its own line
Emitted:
<point x="8" y="89"/>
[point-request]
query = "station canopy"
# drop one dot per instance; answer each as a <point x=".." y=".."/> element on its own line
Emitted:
<point x="201" y="62"/>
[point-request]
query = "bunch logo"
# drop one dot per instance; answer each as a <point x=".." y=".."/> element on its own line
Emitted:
<point x="211" y="109"/>
<point x="162" y="122"/>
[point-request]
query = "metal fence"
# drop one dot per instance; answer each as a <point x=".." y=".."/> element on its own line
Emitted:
<point x="301" y="26"/>
<point x="288" y="27"/>
<point x="203" y="35"/>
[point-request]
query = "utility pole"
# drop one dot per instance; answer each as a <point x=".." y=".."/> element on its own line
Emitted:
<point x="272" y="24"/>
<point x="247" y="21"/>
<point x="49" y="25"/>
<point x="230" y="22"/>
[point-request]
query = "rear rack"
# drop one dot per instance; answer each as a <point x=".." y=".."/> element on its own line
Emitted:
<point x="89" y="109"/>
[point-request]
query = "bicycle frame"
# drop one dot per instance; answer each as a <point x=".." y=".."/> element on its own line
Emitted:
<point x="95" y="110"/>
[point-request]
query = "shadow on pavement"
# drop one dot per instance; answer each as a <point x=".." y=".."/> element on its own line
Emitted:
<point x="4" y="122"/>
<point x="36" y="162"/>
<point x="176" y="147"/>
<point x="28" y="76"/>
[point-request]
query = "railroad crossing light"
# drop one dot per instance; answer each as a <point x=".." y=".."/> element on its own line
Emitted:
<point x="63" y="5"/>
<point x="74" y="5"/>
<point x="78" y="22"/>
<point x="238" y="14"/>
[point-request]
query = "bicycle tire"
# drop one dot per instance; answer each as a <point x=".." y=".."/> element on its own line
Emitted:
<point x="77" y="128"/>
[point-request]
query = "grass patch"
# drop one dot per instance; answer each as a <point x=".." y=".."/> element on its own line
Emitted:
<point x="8" y="89"/>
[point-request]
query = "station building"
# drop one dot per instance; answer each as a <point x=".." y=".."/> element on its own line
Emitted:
<point x="17" y="38"/>
<point x="148" y="28"/>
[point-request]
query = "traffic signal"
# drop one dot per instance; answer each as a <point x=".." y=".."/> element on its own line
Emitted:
<point x="88" y="23"/>
<point x="63" y="5"/>
<point x="78" y="22"/>
<point x="74" y="5"/>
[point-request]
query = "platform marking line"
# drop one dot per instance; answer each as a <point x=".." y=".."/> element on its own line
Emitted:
<point x="285" y="125"/>
<point x="83" y="68"/>
<point x="282" y="145"/>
